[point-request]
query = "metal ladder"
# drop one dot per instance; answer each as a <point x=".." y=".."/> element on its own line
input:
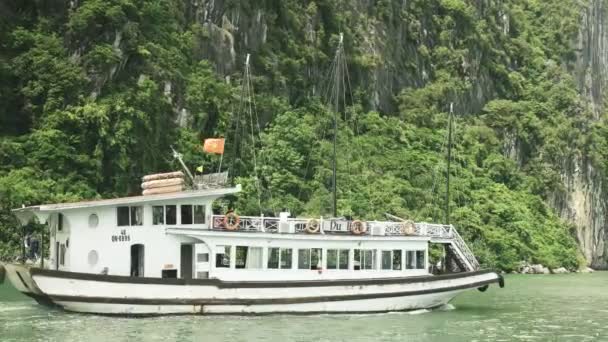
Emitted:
<point x="462" y="251"/>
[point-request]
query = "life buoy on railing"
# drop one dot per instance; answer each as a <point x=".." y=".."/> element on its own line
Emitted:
<point x="358" y="227"/>
<point x="408" y="227"/>
<point x="312" y="226"/>
<point x="231" y="221"/>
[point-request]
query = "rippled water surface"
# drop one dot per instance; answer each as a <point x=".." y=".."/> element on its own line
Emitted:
<point x="571" y="307"/>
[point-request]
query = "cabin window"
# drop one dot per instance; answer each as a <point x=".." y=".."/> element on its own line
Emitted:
<point x="391" y="260"/>
<point x="130" y="216"/>
<point x="337" y="259"/>
<point x="186" y="211"/>
<point x="158" y="215"/>
<point x="92" y="258"/>
<point x="62" y="254"/>
<point x="365" y="259"/>
<point x="202" y="257"/>
<point x="420" y="264"/>
<point x="199" y="214"/>
<point x="192" y="214"/>
<point x="171" y="216"/>
<point x="123" y="216"/>
<point x="60" y="222"/>
<point x="310" y="259"/>
<point x="410" y="260"/>
<point x="248" y="257"/>
<point x="222" y="257"/>
<point x="93" y="221"/>
<point x="279" y="258"/>
<point x="137" y="216"/>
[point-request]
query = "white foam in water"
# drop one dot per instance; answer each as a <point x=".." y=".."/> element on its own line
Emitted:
<point x="418" y="312"/>
<point x="446" y="307"/>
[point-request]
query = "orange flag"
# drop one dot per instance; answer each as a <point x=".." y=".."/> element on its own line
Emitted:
<point x="214" y="146"/>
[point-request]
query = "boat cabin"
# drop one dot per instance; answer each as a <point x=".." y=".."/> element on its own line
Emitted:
<point x="176" y="235"/>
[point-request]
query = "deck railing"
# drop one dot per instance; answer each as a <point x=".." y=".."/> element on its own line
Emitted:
<point x="332" y="226"/>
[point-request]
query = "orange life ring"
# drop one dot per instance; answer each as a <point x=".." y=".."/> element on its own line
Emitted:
<point x="312" y="226"/>
<point x="408" y="228"/>
<point x="358" y="227"/>
<point x="234" y="218"/>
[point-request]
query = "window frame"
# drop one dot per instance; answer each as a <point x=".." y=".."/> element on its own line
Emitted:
<point x="339" y="258"/>
<point x="227" y="251"/>
<point x="363" y="258"/>
<point x="162" y="216"/>
<point x="132" y="213"/>
<point x="280" y="258"/>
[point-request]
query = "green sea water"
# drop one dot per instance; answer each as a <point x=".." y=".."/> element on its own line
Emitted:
<point x="570" y="307"/>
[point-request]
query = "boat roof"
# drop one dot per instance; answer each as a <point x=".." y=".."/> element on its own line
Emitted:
<point x="131" y="200"/>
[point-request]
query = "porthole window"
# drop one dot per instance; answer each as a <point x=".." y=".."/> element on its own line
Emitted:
<point x="93" y="258"/>
<point x="93" y="221"/>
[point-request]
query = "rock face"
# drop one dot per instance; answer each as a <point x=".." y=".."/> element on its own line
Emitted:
<point x="584" y="203"/>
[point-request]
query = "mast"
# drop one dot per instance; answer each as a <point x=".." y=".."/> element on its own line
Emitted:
<point x="449" y="157"/>
<point x="336" y="108"/>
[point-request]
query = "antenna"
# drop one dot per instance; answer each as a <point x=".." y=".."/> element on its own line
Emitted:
<point x="178" y="156"/>
<point x="449" y="157"/>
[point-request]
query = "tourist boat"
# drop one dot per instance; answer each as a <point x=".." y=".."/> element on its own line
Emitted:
<point x="167" y="252"/>
<point x="170" y="254"/>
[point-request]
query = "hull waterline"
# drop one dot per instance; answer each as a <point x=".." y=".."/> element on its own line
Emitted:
<point x="118" y="295"/>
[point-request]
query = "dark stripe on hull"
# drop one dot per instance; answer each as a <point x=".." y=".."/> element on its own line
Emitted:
<point x="264" y="301"/>
<point x="249" y="284"/>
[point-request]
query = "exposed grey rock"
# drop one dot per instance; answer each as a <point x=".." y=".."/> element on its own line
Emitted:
<point x="560" y="270"/>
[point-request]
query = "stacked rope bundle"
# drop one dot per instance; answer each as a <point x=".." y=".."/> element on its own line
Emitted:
<point x="163" y="183"/>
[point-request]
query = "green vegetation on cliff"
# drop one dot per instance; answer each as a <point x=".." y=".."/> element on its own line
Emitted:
<point x="95" y="91"/>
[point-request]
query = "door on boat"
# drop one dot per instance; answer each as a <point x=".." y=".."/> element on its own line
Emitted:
<point x="186" y="264"/>
<point x="57" y="255"/>
<point x="137" y="260"/>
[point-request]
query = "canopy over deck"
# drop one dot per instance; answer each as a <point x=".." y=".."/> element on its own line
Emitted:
<point x="42" y="211"/>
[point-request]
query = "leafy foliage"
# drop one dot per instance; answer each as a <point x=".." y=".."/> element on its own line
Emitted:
<point x="97" y="91"/>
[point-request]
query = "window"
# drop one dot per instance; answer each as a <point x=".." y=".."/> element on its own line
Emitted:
<point x="248" y="257"/>
<point x="93" y="221"/>
<point x="60" y="222"/>
<point x="123" y="216"/>
<point x="391" y="260"/>
<point x="222" y="256"/>
<point x="192" y="214"/>
<point x="171" y="217"/>
<point x="137" y="215"/>
<point x="199" y="214"/>
<point x="158" y="215"/>
<point x="92" y="258"/>
<point x="279" y="258"/>
<point x="130" y="216"/>
<point x="310" y="259"/>
<point x="62" y="254"/>
<point x="397" y="262"/>
<point x="202" y="257"/>
<point x="186" y="211"/>
<point x="387" y="260"/>
<point x="337" y="259"/>
<point x="420" y="264"/>
<point x="410" y="260"/>
<point x="304" y="259"/>
<point x="365" y="259"/>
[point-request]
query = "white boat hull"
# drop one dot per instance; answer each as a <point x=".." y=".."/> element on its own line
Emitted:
<point x="118" y="295"/>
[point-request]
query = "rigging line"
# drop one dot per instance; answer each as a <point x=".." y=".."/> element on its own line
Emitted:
<point x="436" y="170"/>
<point x="328" y="97"/>
<point x="263" y="157"/>
<point x="253" y="143"/>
